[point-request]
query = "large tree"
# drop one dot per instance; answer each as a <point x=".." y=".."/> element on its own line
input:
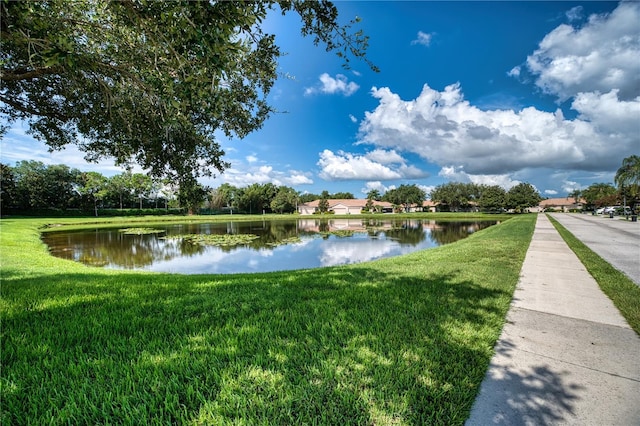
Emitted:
<point x="598" y="194"/>
<point x="42" y="186"/>
<point x="628" y="178"/>
<point x="454" y="195"/>
<point x="150" y="81"/>
<point x="8" y="191"/>
<point x="492" y="198"/>
<point x="285" y="201"/>
<point x="94" y="186"/>
<point x="522" y="196"/>
<point x="405" y="195"/>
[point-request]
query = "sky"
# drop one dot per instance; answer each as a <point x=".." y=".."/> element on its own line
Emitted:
<point x="497" y="93"/>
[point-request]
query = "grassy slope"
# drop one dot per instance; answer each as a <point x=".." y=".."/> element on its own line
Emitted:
<point x="623" y="292"/>
<point x="405" y="340"/>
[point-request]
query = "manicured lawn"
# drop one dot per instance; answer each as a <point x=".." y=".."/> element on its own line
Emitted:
<point x="405" y="340"/>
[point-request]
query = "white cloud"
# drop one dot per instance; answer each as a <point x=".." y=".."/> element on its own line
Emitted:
<point x="600" y="56"/>
<point x="251" y="158"/>
<point x="457" y="174"/>
<point x="376" y="165"/>
<point x="298" y="178"/>
<point x="345" y="166"/>
<point x="445" y="129"/>
<point x="385" y="157"/>
<point x="353" y="118"/>
<point x="514" y="72"/>
<point x="17" y="146"/>
<point x="427" y="189"/>
<point x="423" y="39"/>
<point x="608" y="113"/>
<point x="574" y="14"/>
<point x="329" y="85"/>
<point x="550" y="192"/>
<point x="242" y="175"/>
<point x="376" y="185"/>
<point x="570" y="186"/>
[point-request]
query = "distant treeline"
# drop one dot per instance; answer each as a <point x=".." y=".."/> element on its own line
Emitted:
<point x="33" y="188"/>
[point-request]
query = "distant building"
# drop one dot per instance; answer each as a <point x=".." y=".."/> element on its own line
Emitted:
<point x="354" y="206"/>
<point x="560" y="204"/>
<point x="427" y="206"/>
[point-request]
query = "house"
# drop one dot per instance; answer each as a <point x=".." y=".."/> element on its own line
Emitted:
<point x="426" y="206"/>
<point x="560" y="204"/>
<point x="353" y="206"/>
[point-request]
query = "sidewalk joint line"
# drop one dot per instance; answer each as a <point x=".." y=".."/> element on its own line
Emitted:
<point x="579" y="365"/>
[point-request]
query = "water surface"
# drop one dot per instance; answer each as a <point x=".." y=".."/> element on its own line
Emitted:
<point x="281" y="244"/>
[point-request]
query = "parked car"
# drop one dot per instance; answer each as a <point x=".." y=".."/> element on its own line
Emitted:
<point x="600" y="210"/>
<point x="611" y="209"/>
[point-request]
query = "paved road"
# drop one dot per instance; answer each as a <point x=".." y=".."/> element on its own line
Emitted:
<point x="615" y="240"/>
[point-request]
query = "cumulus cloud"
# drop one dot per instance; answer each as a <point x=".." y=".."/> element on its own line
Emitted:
<point x="570" y="186"/>
<point x="608" y="113"/>
<point x="379" y="186"/>
<point x="423" y="38"/>
<point x="600" y="56"/>
<point x="458" y="174"/>
<point x="376" y="165"/>
<point x="329" y="86"/>
<point x="444" y="128"/>
<point x="241" y="176"/>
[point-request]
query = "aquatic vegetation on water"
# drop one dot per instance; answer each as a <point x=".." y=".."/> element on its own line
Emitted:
<point x="141" y="231"/>
<point x="340" y="233"/>
<point x="284" y="241"/>
<point x="224" y="240"/>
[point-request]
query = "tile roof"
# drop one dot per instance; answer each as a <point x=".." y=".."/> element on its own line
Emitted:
<point x="357" y="202"/>
<point x="567" y="201"/>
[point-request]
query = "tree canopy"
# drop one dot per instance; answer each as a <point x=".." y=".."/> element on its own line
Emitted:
<point x="150" y="81"/>
<point x="628" y="177"/>
<point x="455" y="195"/>
<point x="405" y="195"/>
<point x="522" y="196"/>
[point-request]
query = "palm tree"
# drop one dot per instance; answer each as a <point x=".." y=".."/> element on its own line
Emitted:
<point x="628" y="177"/>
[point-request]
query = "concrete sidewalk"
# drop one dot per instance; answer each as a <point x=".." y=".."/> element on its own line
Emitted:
<point x="565" y="355"/>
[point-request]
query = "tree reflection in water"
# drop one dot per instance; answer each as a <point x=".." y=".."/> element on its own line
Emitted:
<point x="282" y="244"/>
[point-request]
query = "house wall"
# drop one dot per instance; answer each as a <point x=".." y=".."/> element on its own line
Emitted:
<point x="306" y="209"/>
<point x="342" y="209"/>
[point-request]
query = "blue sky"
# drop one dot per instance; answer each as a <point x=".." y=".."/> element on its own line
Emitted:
<point x="487" y="92"/>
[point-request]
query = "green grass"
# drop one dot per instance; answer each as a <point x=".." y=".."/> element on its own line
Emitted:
<point x="405" y="340"/>
<point x="623" y="292"/>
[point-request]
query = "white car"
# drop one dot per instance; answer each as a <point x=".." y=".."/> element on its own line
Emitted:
<point x="600" y="210"/>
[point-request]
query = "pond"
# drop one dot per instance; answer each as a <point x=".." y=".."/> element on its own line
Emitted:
<point x="258" y="246"/>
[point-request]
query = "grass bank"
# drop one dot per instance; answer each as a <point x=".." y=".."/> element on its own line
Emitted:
<point x="404" y="340"/>
<point x="623" y="292"/>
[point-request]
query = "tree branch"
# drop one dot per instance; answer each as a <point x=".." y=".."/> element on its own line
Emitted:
<point x="32" y="111"/>
<point x="25" y="74"/>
